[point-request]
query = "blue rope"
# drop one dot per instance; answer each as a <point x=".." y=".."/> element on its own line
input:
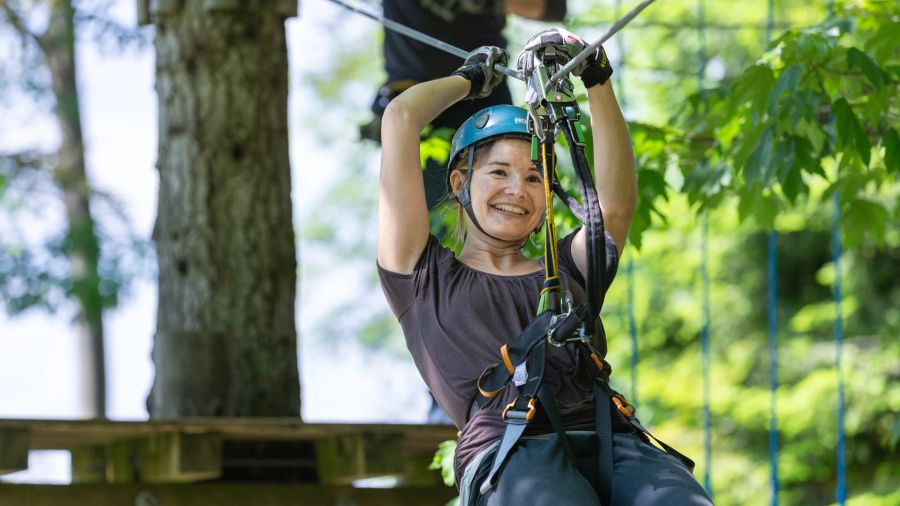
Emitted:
<point x="704" y="350"/>
<point x="841" y="486"/>
<point x="841" y="491"/>
<point x="773" y="364"/>
<point x="704" y="273"/>
<point x="773" y="326"/>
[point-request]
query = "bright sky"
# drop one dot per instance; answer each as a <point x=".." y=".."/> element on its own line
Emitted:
<point x="38" y="356"/>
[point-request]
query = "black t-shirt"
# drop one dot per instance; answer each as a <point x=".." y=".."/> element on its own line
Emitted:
<point x="465" y="24"/>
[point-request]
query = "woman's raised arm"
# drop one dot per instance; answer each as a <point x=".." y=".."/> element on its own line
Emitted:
<point x="614" y="173"/>
<point x="402" y="212"/>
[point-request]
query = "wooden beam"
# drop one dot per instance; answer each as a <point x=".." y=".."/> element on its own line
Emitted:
<point x="180" y="458"/>
<point x="89" y="465"/>
<point x="14" y="445"/>
<point x="344" y="459"/>
<point x="161" y="458"/>
<point x="70" y="434"/>
<point x="220" y="494"/>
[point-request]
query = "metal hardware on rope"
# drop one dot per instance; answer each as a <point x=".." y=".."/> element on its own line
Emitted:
<point x="552" y="110"/>
<point x="421" y="37"/>
<point x="618" y="25"/>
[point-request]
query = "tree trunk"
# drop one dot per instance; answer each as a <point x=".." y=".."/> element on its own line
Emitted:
<point x="58" y="46"/>
<point x="226" y="343"/>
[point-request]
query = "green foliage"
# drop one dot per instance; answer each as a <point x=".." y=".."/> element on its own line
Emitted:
<point x="443" y="461"/>
<point x="821" y="104"/>
<point x="35" y="271"/>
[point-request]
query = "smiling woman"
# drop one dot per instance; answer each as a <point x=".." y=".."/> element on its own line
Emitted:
<point x="457" y="312"/>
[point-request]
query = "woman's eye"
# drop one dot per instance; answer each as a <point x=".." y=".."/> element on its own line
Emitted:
<point x="534" y="179"/>
<point x="498" y="172"/>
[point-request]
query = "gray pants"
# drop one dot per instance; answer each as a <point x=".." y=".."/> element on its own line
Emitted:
<point x="643" y="475"/>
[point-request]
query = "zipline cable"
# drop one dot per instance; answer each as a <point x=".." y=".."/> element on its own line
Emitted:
<point x="771" y="310"/>
<point x="419" y="36"/>
<point x="589" y="50"/>
<point x="449" y="48"/>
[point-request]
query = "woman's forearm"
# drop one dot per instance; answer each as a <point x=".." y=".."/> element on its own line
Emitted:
<point x="422" y="103"/>
<point x="613" y="161"/>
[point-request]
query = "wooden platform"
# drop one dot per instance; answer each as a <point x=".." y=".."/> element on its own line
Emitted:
<point x="226" y="461"/>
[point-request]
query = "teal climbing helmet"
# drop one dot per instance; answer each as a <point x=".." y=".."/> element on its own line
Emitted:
<point x="495" y="121"/>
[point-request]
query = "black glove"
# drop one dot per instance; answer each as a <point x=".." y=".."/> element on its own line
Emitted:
<point x="595" y="69"/>
<point x="479" y="70"/>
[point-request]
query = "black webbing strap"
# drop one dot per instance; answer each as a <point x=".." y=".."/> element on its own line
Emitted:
<point x="593" y="225"/>
<point x="518" y="352"/>
<point x="549" y="405"/>
<point x="600" y="375"/>
<point x="603" y="423"/>
<point x="571" y="202"/>
<point x="668" y="449"/>
<point x="497" y="376"/>
<point x="519" y="413"/>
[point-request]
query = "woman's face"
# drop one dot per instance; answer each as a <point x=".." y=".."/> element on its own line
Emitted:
<point x="507" y="190"/>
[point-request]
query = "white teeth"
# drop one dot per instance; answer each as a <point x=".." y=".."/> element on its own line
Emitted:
<point x="510" y="209"/>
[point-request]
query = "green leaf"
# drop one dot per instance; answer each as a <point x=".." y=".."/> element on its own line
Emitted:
<point x="850" y="131"/>
<point x="792" y="184"/>
<point x="864" y="216"/>
<point x="860" y="60"/>
<point x="806" y="159"/>
<point x="788" y="81"/>
<point x="884" y="43"/>
<point x="808" y="46"/>
<point x="443" y="460"/>
<point x="435" y="148"/>
<point x="892" y="151"/>
<point x="754" y="86"/>
<point x="759" y="164"/>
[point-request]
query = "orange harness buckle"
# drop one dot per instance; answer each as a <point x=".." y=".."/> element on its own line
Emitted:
<point x="624" y="406"/>
<point x="527" y="416"/>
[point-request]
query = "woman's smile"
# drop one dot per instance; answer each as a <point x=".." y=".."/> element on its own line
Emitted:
<point x="510" y="209"/>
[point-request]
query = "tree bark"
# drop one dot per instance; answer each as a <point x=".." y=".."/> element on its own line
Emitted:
<point x="58" y="47"/>
<point x="226" y="343"/>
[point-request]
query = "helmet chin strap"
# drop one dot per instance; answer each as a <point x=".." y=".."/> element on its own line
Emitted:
<point x="464" y="196"/>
